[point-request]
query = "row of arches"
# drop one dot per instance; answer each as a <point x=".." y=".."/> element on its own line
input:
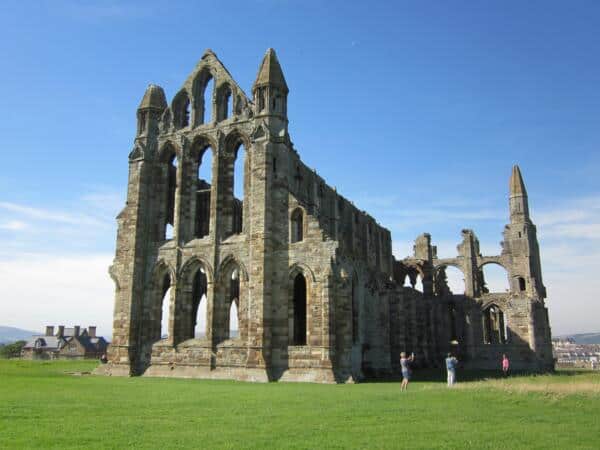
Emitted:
<point x="450" y="280"/>
<point x="208" y="102"/>
<point x="188" y="315"/>
<point x="199" y="168"/>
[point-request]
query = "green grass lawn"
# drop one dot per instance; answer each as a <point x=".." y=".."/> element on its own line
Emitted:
<point x="41" y="406"/>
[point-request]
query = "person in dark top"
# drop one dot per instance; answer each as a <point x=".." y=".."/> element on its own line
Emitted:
<point x="451" y="363"/>
<point x="405" y="364"/>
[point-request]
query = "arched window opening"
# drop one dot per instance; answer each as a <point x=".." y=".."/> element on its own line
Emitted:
<point x="208" y="101"/>
<point x="494" y="326"/>
<point x="171" y="189"/>
<point x="355" y="310"/>
<point x="261" y="99"/>
<point x="199" y="304"/>
<point x="449" y="280"/>
<point x="234" y="304"/>
<point x="224" y="106"/>
<point x="419" y="284"/>
<point x="238" y="189"/>
<point x="299" y="311"/>
<point x="522" y="284"/>
<point x="413" y="279"/>
<point x="494" y="278"/>
<point x="203" y="193"/>
<point x="165" y="307"/>
<point x="229" y="108"/>
<point x="297" y="224"/>
<point x="182" y="110"/>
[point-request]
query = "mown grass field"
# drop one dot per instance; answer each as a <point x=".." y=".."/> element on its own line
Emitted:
<point x="41" y="406"/>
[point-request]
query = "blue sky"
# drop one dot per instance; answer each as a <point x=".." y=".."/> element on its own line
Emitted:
<point x="415" y="110"/>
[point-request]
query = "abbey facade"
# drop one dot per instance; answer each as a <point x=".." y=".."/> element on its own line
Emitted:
<point x="309" y="280"/>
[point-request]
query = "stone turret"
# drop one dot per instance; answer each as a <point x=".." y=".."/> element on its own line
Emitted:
<point x="270" y="93"/>
<point x="151" y="107"/>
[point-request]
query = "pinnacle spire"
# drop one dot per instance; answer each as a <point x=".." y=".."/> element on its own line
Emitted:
<point x="270" y="72"/>
<point x="517" y="186"/>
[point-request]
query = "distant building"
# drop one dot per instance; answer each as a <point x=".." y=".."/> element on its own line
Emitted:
<point x="67" y="343"/>
<point x="568" y="353"/>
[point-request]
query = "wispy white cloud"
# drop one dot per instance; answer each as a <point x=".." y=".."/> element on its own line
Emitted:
<point x="49" y="215"/>
<point x="14" y="225"/>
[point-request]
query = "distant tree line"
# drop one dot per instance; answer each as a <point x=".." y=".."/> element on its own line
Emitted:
<point x="11" y="350"/>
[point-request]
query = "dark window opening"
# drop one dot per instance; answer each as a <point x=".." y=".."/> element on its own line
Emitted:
<point x="182" y="110"/>
<point x="494" y="326"/>
<point x="522" y="284"/>
<point x="224" y="103"/>
<point x="299" y="304"/>
<point x="355" y="310"/>
<point x="452" y="320"/>
<point x="261" y="99"/>
<point x="297" y="223"/>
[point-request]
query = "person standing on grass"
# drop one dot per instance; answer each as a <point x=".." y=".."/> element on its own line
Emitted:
<point x="505" y="365"/>
<point x="451" y="363"/>
<point x="405" y="364"/>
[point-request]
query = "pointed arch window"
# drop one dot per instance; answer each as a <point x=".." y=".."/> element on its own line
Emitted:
<point x="299" y="300"/>
<point x="181" y="110"/>
<point x="203" y="98"/>
<point x="494" y="325"/>
<point x="297" y="225"/>
<point x="355" y="310"/>
<point x="224" y="103"/>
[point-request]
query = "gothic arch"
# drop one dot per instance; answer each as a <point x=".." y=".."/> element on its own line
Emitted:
<point x="227" y="262"/>
<point x="224" y="99"/>
<point x="167" y="150"/>
<point x="192" y="265"/>
<point x="199" y="85"/>
<point x="483" y="282"/>
<point x="297" y="224"/>
<point x="297" y="268"/>
<point x="181" y="107"/>
<point x="162" y="267"/>
<point x="234" y="140"/>
<point x="300" y="296"/>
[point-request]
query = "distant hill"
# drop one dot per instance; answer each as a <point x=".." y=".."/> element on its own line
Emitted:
<point x="584" y="338"/>
<point x="587" y="338"/>
<point x="10" y="334"/>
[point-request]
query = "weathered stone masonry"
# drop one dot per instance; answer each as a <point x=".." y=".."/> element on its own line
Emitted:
<point x="318" y="293"/>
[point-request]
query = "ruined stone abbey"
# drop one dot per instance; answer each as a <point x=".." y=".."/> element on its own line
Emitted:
<point x="310" y="280"/>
